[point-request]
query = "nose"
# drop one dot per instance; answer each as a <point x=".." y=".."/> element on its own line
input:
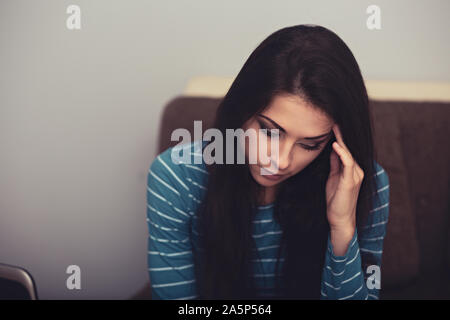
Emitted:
<point x="281" y="159"/>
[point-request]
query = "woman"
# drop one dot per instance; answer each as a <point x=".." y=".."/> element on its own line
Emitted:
<point x="228" y="231"/>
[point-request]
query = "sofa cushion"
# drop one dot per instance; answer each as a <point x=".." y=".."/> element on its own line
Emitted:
<point x="425" y="129"/>
<point x="401" y="259"/>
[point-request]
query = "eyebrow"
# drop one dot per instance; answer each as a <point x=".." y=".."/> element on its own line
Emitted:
<point x="282" y="129"/>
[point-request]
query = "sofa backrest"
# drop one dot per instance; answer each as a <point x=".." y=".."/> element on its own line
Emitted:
<point x="411" y="145"/>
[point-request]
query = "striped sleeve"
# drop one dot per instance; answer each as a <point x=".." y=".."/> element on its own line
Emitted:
<point x="344" y="277"/>
<point x="170" y="257"/>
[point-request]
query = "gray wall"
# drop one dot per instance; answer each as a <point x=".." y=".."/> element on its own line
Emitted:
<point x="79" y="112"/>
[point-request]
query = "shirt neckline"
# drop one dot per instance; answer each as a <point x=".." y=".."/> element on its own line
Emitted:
<point x="266" y="206"/>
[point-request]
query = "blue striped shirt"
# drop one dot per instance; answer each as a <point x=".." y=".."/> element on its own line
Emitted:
<point x="174" y="192"/>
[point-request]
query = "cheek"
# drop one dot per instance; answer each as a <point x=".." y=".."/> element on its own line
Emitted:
<point x="250" y="147"/>
<point x="302" y="159"/>
<point x="298" y="166"/>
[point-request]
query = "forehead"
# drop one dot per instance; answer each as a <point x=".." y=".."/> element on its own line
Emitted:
<point x="298" y="117"/>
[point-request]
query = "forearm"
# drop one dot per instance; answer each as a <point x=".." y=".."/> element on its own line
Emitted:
<point x="340" y="239"/>
<point x="341" y="234"/>
<point x="343" y="277"/>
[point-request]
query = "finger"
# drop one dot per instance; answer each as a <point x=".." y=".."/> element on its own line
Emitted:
<point x="359" y="171"/>
<point x="341" y="143"/>
<point x="346" y="161"/>
<point x="334" y="163"/>
<point x="340" y="140"/>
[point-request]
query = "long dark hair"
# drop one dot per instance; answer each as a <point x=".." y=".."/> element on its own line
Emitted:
<point x="313" y="63"/>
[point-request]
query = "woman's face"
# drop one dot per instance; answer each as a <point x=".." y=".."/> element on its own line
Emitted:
<point x="298" y="125"/>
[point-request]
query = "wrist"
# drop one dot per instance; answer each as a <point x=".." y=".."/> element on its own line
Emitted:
<point x="340" y="239"/>
<point x="343" y="227"/>
<point x="342" y="233"/>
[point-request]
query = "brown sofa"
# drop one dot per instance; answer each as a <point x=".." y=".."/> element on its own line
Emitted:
<point x="411" y="140"/>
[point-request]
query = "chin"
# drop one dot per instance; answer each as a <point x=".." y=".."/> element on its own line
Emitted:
<point x="268" y="183"/>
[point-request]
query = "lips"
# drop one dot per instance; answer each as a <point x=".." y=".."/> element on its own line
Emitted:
<point x="267" y="172"/>
<point x="269" y="175"/>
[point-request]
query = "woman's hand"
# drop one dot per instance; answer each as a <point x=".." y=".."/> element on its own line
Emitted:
<point x="342" y="190"/>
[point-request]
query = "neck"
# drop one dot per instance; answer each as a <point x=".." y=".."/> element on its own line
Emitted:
<point x="268" y="195"/>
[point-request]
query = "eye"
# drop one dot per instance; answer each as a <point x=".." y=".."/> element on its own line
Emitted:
<point x="304" y="146"/>
<point x="310" y="148"/>
<point x="267" y="132"/>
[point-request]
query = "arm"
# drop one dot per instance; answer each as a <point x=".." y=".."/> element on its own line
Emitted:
<point x="170" y="257"/>
<point x="344" y="276"/>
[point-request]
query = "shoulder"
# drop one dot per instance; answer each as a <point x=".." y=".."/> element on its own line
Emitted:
<point x="379" y="213"/>
<point x="381" y="175"/>
<point x="180" y="169"/>
<point x="182" y="162"/>
<point x="381" y="195"/>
